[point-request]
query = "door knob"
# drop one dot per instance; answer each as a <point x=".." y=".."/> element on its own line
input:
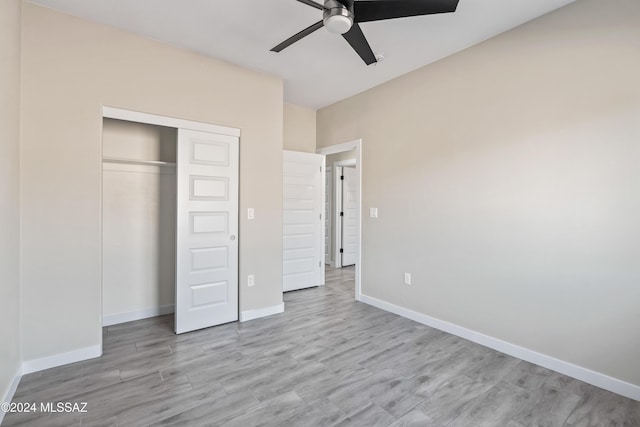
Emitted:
<point x="233" y="237"/>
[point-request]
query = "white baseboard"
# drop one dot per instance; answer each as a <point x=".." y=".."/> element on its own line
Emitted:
<point x="35" y="365"/>
<point x="114" y="319"/>
<point x="261" y="312"/>
<point x="597" y="379"/>
<point x="11" y="391"/>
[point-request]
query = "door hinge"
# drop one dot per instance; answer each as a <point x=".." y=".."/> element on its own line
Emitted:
<point x="341" y="213"/>
<point x="342" y="177"/>
<point x="341" y="250"/>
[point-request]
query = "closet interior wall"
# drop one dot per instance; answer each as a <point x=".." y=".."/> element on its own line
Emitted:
<point x="138" y="217"/>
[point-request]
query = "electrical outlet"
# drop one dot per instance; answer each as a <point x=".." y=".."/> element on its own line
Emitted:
<point x="251" y="213"/>
<point x="250" y="280"/>
<point x="407" y="278"/>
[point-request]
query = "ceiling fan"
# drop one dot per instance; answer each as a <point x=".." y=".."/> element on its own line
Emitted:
<point x="343" y="17"/>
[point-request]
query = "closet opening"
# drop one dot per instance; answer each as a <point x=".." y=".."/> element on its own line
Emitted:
<point x="138" y="220"/>
<point x="170" y="194"/>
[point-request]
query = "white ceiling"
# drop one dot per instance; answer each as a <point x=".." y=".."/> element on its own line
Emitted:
<point x="322" y="68"/>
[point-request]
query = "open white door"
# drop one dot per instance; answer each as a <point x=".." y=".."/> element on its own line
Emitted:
<point x="350" y="217"/>
<point x="303" y="220"/>
<point x="207" y="230"/>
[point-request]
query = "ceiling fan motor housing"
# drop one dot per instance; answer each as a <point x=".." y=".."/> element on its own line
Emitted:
<point x="337" y="17"/>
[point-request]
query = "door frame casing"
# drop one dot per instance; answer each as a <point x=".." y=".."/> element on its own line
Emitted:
<point x="340" y="148"/>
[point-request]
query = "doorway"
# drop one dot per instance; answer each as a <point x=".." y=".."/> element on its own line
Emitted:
<point x="341" y="156"/>
<point x="170" y="220"/>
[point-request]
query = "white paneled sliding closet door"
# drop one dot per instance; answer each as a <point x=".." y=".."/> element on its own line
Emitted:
<point x="207" y="230"/>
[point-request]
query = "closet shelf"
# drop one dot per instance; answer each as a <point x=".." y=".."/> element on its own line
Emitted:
<point x="136" y="162"/>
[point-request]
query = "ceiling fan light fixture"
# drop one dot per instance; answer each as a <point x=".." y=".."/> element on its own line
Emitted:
<point x="337" y="18"/>
<point x="338" y="24"/>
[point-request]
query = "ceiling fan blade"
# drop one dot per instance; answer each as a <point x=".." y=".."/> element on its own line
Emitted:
<point x="359" y="43"/>
<point x="291" y="40"/>
<point x="312" y="4"/>
<point x="377" y="10"/>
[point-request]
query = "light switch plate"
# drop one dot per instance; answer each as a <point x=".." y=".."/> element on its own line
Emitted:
<point x="251" y="213"/>
<point x="373" y="212"/>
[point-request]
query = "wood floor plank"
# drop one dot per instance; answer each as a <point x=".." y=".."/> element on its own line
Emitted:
<point x="491" y="366"/>
<point x="321" y="413"/>
<point x="494" y="408"/>
<point x="129" y="395"/>
<point x="528" y="376"/>
<point x="301" y="374"/>
<point x="397" y="395"/>
<point x="600" y="408"/>
<point x="452" y="398"/>
<point x="369" y="415"/>
<point x="212" y="412"/>
<point x="168" y="405"/>
<point x="276" y="411"/>
<point x="549" y="407"/>
<point x="633" y="415"/>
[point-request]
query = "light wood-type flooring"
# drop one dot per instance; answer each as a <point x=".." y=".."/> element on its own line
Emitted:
<point x="326" y="361"/>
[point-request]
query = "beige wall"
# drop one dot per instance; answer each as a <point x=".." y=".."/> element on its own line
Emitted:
<point x="71" y="68"/>
<point x="507" y="183"/>
<point x="9" y="192"/>
<point x="299" y="128"/>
